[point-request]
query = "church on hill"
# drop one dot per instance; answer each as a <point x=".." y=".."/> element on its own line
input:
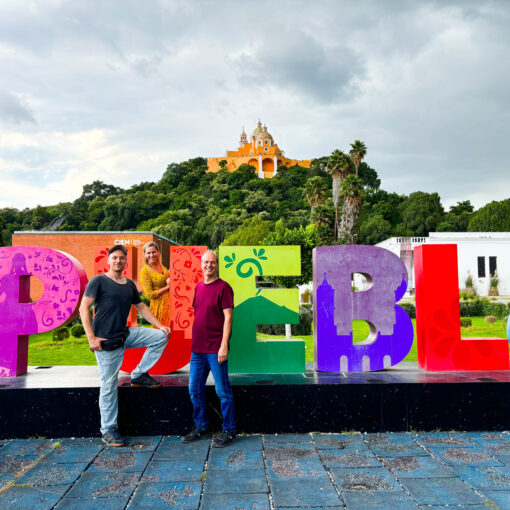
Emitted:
<point x="259" y="151"/>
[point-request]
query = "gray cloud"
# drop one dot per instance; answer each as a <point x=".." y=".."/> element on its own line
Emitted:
<point x="423" y="83"/>
<point x="12" y="110"/>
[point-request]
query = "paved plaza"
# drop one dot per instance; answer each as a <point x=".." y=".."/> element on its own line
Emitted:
<point x="468" y="470"/>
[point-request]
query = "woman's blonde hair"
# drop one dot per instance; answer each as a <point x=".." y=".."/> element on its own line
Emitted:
<point x="148" y="245"/>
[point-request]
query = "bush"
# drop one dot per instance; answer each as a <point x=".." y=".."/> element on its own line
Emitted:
<point x="465" y="322"/>
<point x="491" y="308"/>
<point x="491" y="319"/>
<point x="471" y="308"/>
<point x="77" y="330"/>
<point x="409" y="308"/>
<point x="60" y="334"/>
<point x="303" y="328"/>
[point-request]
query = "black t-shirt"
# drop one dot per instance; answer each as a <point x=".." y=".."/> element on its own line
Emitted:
<point x="111" y="306"/>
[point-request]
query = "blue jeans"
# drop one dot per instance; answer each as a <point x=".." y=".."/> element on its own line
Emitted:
<point x="109" y="363"/>
<point x="200" y="366"/>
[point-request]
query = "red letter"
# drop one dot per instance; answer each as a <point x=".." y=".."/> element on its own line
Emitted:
<point x="440" y="347"/>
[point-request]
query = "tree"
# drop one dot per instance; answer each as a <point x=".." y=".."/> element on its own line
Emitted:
<point x="306" y="237"/>
<point x="251" y="232"/>
<point x="352" y="191"/>
<point x="374" y="230"/>
<point x="339" y="166"/>
<point x="315" y="191"/>
<point x="99" y="189"/>
<point x="421" y="213"/>
<point x="494" y="217"/>
<point x="460" y="207"/>
<point x="358" y="152"/>
<point x="2" y="225"/>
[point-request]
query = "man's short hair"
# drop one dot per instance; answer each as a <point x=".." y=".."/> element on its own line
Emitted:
<point x="117" y="247"/>
<point x="210" y="251"/>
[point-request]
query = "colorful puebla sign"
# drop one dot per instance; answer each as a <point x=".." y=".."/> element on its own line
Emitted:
<point x="336" y="305"/>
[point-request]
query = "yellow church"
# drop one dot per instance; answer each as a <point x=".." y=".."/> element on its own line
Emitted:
<point x="259" y="151"/>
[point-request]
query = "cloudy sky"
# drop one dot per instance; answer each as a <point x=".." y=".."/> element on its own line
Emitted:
<point x="117" y="89"/>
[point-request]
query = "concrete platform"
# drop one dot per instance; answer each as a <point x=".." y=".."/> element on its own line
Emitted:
<point x="261" y="472"/>
<point x="62" y="402"/>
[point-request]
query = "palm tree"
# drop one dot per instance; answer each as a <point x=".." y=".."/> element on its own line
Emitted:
<point x="339" y="166"/>
<point x="315" y="192"/>
<point x="352" y="191"/>
<point x="357" y="153"/>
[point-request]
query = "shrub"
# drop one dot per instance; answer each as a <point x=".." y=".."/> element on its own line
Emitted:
<point x="491" y="308"/>
<point x="77" y="330"/>
<point x="469" y="281"/>
<point x="491" y="319"/>
<point x="60" y="334"/>
<point x="409" y="308"/>
<point x="465" y="322"/>
<point x="471" y="308"/>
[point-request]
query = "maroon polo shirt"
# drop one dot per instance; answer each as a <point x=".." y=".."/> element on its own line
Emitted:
<point x="209" y="302"/>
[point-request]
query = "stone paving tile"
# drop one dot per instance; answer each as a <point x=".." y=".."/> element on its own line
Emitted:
<point x="289" y="451"/>
<point x="249" y="442"/>
<point x="441" y="491"/>
<point x="311" y="467"/>
<point x="181" y="495"/>
<point x="55" y="474"/>
<point x="499" y="499"/>
<point x="389" y="445"/>
<point x="92" y="503"/>
<point x="246" y="481"/>
<point x="418" y="467"/>
<point x="378" y="500"/>
<point x="377" y="479"/>
<point x="124" y="462"/>
<point x="490" y="477"/>
<point x="442" y="439"/>
<point x="288" y="438"/>
<point x="466" y="457"/>
<point x="352" y="447"/>
<point x="310" y="491"/>
<point x="104" y="485"/>
<point x="68" y="453"/>
<point x="236" y="502"/>
<point x="503" y="458"/>
<point x="338" y="441"/>
<point x="27" y="447"/>
<point x="177" y="471"/>
<point x="140" y="444"/>
<point x="234" y="458"/>
<point x="475" y="436"/>
<point x="331" y="459"/>
<point x="10" y="467"/>
<point x="196" y="451"/>
<point x="28" y="498"/>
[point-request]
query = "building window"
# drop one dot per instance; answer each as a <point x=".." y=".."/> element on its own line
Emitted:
<point x="481" y="267"/>
<point x="492" y="266"/>
<point x="266" y="149"/>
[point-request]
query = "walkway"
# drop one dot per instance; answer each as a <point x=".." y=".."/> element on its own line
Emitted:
<point x="374" y="471"/>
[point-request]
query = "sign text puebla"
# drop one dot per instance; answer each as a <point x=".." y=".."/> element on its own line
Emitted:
<point x="336" y="305"/>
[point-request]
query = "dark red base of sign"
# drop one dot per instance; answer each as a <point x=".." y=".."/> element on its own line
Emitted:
<point x="399" y="399"/>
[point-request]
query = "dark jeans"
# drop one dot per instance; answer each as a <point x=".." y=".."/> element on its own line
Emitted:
<point x="200" y="366"/>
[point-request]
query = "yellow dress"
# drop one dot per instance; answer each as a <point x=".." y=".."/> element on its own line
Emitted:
<point x="151" y="282"/>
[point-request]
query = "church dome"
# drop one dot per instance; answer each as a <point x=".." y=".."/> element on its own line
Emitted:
<point x="257" y="130"/>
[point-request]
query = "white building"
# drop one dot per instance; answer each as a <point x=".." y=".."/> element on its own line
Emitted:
<point x="480" y="254"/>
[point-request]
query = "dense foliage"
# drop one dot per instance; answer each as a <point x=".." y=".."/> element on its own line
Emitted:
<point x="190" y="206"/>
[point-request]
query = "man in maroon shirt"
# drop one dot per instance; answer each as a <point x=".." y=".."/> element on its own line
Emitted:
<point x="213" y="303"/>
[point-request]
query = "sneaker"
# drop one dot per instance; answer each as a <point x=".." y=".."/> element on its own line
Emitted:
<point x="113" y="438"/>
<point x="225" y="438"/>
<point x="145" y="381"/>
<point x="195" y="434"/>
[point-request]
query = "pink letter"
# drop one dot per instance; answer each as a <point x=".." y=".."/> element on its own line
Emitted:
<point x="64" y="281"/>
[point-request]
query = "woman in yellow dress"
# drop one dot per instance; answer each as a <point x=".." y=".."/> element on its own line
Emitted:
<point x="155" y="280"/>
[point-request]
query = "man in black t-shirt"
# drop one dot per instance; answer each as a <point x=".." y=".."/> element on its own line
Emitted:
<point x="112" y="295"/>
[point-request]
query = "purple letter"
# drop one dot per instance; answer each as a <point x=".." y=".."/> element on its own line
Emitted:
<point x="64" y="281"/>
<point x="336" y="305"/>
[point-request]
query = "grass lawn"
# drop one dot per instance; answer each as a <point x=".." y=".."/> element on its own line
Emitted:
<point x="43" y="351"/>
